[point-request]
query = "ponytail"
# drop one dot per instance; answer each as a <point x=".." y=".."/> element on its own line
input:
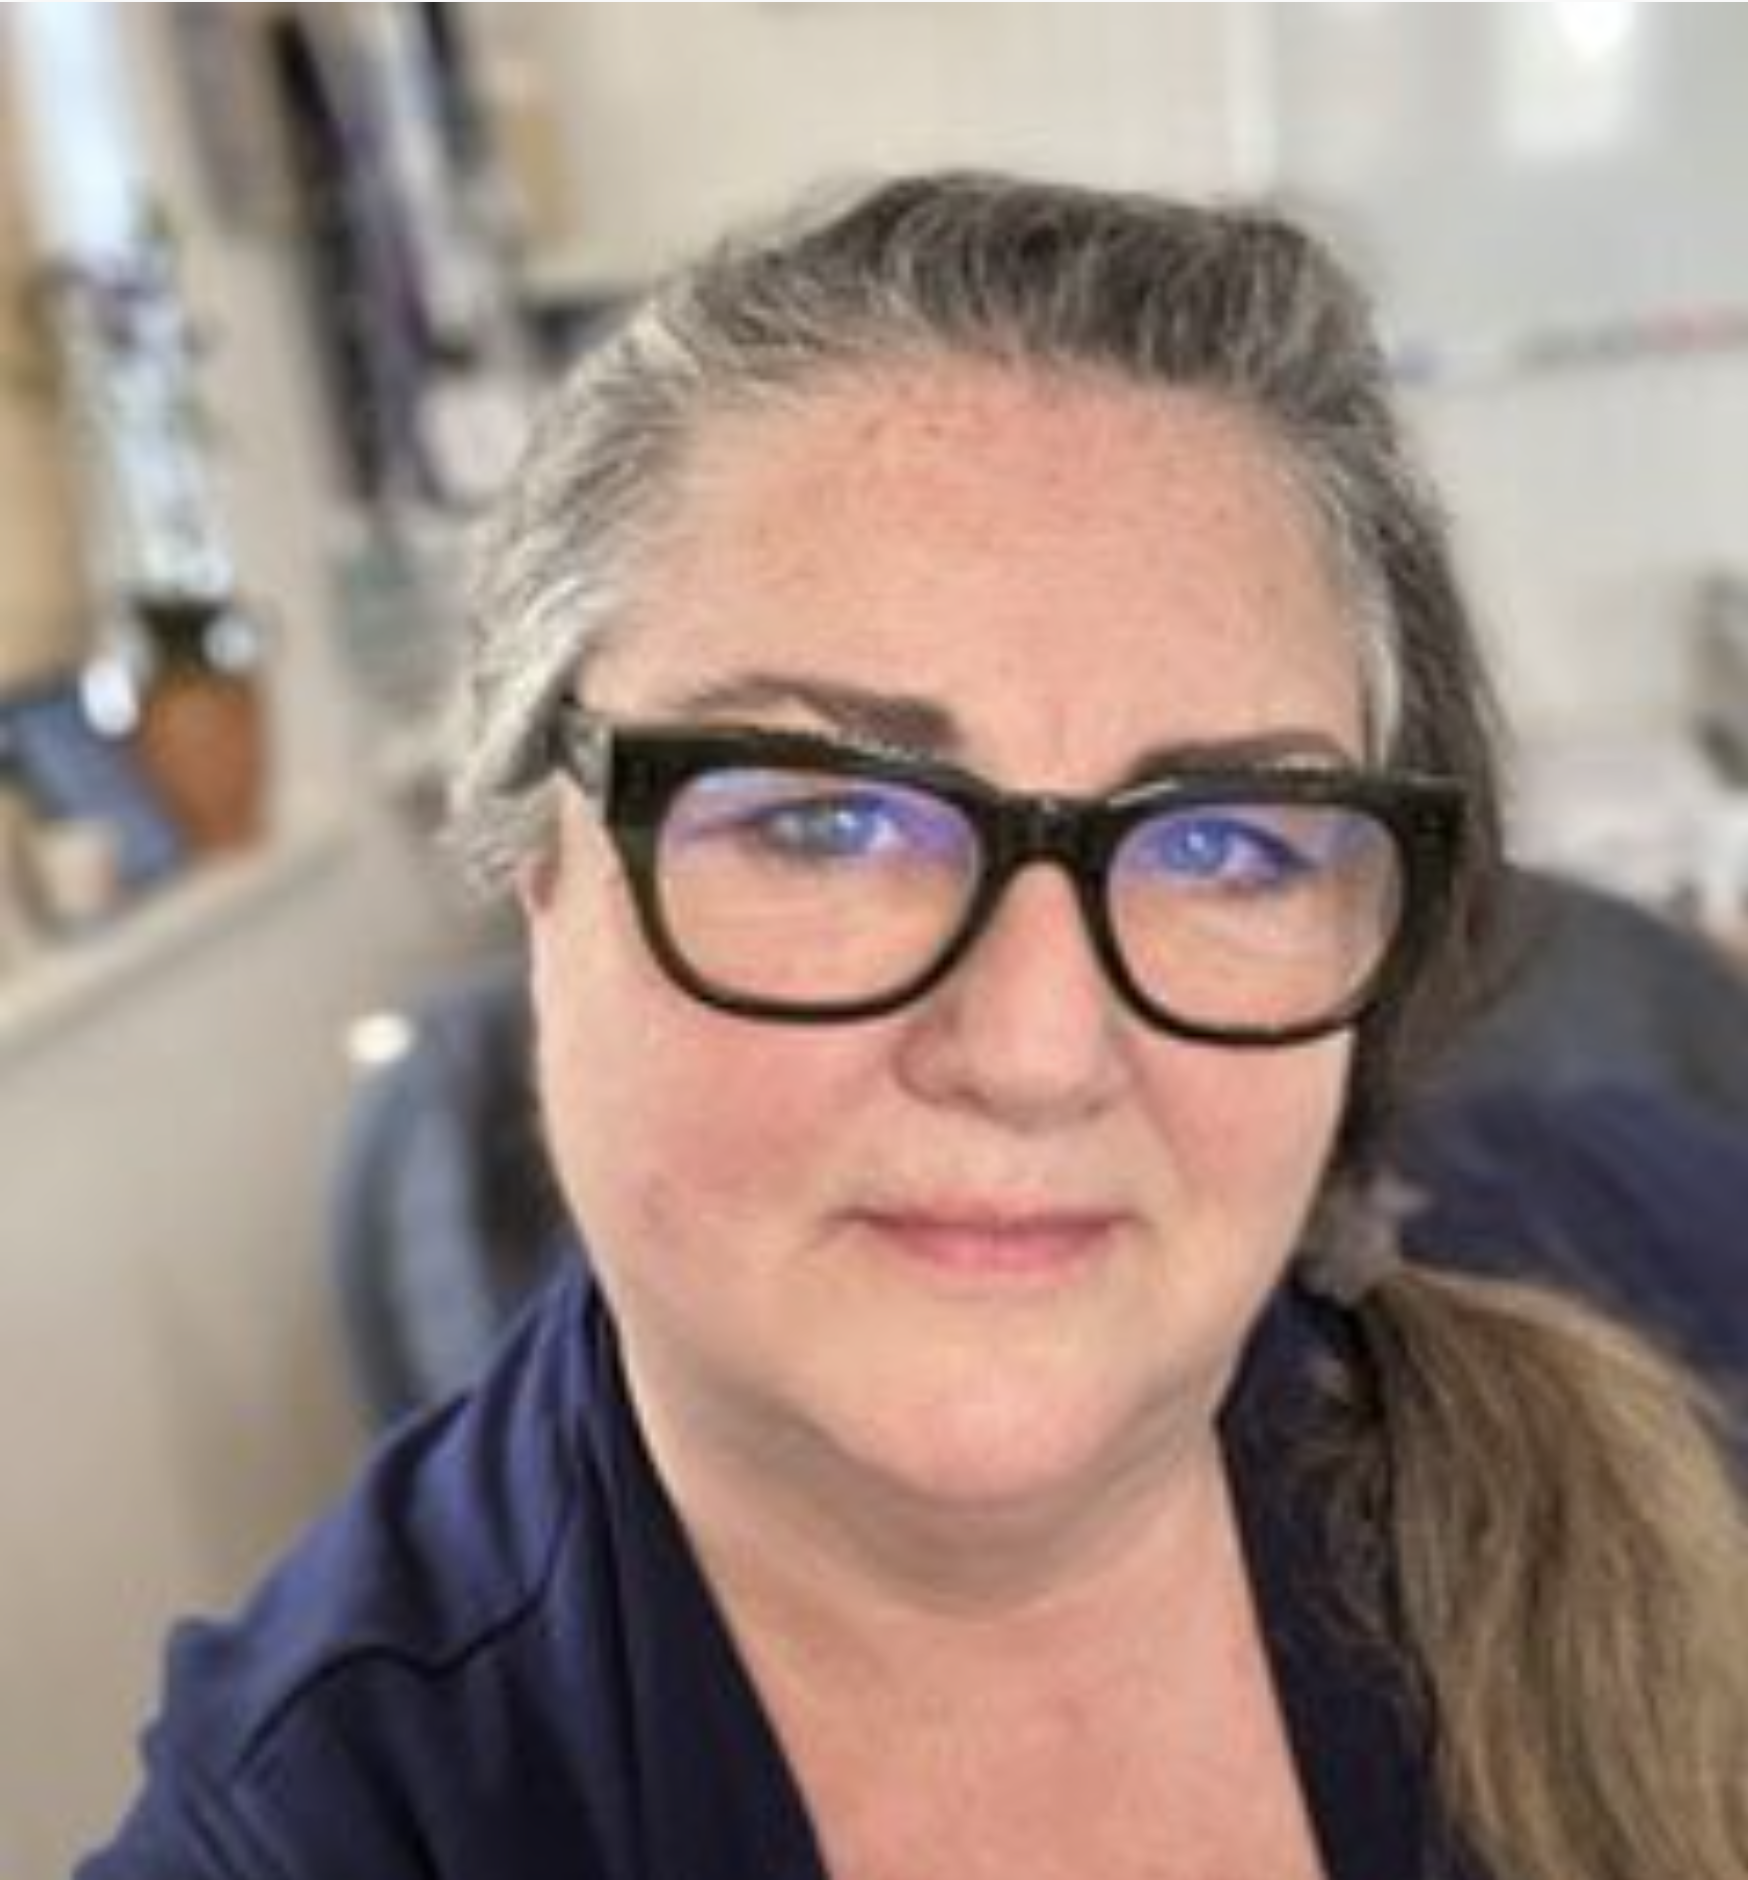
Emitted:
<point x="1570" y="1578"/>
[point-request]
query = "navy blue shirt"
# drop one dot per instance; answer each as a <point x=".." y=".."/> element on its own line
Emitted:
<point x="498" y="1660"/>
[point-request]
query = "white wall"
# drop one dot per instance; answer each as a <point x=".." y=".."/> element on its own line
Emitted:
<point x="674" y="121"/>
<point x="1500" y="165"/>
<point x="1588" y="508"/>
<point x="1501" y="171"/>
<point x="1489" y="168"/>
<point x="172" y="1401"/>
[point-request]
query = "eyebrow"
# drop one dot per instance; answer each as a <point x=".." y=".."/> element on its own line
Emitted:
<point x="923" y="727"/>
<point x="900" y="720"/>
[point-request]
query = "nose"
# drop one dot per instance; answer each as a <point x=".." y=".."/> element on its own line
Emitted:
<point x="1026" y="1029"/>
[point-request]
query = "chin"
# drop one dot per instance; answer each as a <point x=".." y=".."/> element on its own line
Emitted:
<point x="1012" y="1442"/>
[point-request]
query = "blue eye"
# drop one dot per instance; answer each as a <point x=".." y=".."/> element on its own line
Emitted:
<point x="817" y="821"/>
<point x="830" y="828"/>
<point x="1219" y="848"/>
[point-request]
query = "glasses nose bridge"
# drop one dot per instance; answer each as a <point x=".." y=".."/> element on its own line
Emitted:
<point x="1057" y="830"/>
<point x="1043" y="828"/>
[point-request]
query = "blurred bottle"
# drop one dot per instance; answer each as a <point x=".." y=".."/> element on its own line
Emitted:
<point x="202" y="732"/>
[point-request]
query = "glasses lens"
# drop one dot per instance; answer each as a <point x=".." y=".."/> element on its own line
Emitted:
<point x="1247" y="914"/>
<point x="812" y="888"/>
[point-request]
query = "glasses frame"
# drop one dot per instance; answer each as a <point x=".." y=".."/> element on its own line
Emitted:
<point x="632" y="772"/>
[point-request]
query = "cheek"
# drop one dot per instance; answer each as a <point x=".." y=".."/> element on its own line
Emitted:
<point x="667" y="1121"/>
<point x="1251" y="1132"/>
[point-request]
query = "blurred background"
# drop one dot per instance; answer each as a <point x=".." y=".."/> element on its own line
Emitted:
<point x="278" y="285"/>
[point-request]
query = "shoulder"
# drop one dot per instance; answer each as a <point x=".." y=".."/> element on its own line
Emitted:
<point x="448" y="1535"/>
<point x="406" y="1646"/>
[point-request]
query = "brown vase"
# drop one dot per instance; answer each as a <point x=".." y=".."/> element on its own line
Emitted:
<point x="201" y="738"/>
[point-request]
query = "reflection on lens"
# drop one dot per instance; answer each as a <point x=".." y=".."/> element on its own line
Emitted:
<point x="1255" y="914"/>
<point x="812" y="887"/>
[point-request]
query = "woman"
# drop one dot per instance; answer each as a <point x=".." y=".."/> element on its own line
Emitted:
<point x="972" y="700"/>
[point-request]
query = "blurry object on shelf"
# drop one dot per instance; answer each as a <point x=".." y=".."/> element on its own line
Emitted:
<point x="75" y="868"/>
<point x="473" y="426"/>
<point x="398" y="616"/>
<point x="1647" y="816"/>
<point x="1721" y="893"/>
<point x="132" y="355"/>
<point x="172" y="622"/>
<point x="71" y="771"/>
<point x="20" y="918"/>
<point x="162" y="735"/>
<point x="359" y="288"/>
<point x="521" y="106"/>
<point x="1656" y="336"/>
<point x="403" y="243"/>
<point x="226" y="96"/>
<point x="45" y="613"/>
<point x="202" y="732"/>
<point x="1720" y="672"/>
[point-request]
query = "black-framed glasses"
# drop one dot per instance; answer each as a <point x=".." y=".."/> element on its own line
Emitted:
<point x="789" y="875"/>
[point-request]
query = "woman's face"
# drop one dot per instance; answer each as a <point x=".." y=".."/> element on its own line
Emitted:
<point x="1005" y="1241"/>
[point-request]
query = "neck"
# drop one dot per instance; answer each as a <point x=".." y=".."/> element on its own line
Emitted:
<point x="1076" y="1682"/>
<point x="821" y="1561"/>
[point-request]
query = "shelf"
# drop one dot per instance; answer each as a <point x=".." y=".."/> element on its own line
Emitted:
<point x="66" y="983"/>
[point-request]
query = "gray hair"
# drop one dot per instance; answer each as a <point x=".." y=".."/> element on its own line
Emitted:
<point x="1238" y="303"/>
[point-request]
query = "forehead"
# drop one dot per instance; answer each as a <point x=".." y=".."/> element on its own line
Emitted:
<point x="1039" y="551"/>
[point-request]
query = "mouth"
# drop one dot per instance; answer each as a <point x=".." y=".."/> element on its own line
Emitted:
<point x="994" y="1245"/>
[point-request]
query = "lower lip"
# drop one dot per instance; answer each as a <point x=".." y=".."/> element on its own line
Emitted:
<point x="1035" y="1254"/>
